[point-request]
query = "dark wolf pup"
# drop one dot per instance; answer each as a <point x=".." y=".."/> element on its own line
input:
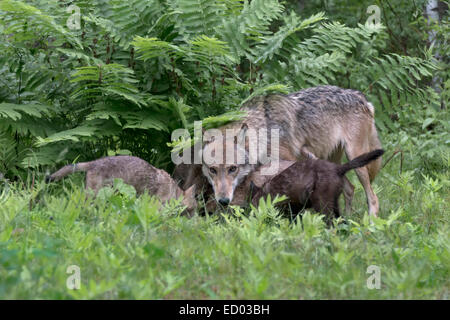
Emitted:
<point x="313" y="183"/>
<point x="133" y="171"/>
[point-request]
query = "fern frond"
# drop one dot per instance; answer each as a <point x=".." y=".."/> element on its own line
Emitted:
<point x="210" y="52"/>
<point x="128" y="19"/>
<point x="401" y="72"/>
<point x="11" y="154"/>
<point x="28" y="125"/>
<point x="241" y="31"/>
<point x="209" y="46"/>
<point x="271" y="88"/>
<point x="222" y="119"/>
<point x="149" y="48"/>
<point x="198" y="17"/>
<point x="307" y="71"/>
<point x="145" y="120"/>
<point x="77" y="54"/>
<point x="46" y="155"/>
<point x="335" y="36"/>
<point x="313" y="71"/>
<point x="36" y="22"/>
<point x="109" y="80"/>
<point x="71" y="134"/>
<point x="272" y="44"/>
<point x="257" y="15"/>
<point x="16" y="111"/>
<point x="181" y="109"/>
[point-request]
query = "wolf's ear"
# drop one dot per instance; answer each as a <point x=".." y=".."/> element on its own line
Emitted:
<point x="240" y="137"/>
<point x="207" y="137"/>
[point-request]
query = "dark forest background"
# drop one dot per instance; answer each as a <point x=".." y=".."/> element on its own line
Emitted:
<point x="130" y="72"/>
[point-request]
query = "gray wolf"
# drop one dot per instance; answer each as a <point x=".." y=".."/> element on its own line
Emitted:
<point x="313" y="183"/>
<point x="317" y="123"/>
<point x="188" y="175"/>
<point x="243" y="191"/>
<point x="133" y="171"/>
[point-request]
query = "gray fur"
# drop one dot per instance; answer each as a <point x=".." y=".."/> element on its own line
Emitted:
<point x="133" y="171"/>
<point x="320" y="122"/>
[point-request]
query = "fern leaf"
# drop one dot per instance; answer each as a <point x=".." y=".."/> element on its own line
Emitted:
<point x="198" y="16"/>
<point x="15" y="111"/>
<point x="71" y="134"/>
<point x="271" y="88"/>
<point x="149" y="48"/>
<point x="272" y="44"/>
<point x="241" y="31"/>
<point x="36" y="19"/>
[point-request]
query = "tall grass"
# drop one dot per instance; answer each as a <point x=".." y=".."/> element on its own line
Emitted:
<point x="137" y="249"/>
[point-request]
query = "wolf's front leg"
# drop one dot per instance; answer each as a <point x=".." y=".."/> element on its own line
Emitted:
<point x="349" y="190"/>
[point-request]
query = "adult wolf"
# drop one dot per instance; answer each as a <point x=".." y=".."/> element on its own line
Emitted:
<point x="320" y="122"/>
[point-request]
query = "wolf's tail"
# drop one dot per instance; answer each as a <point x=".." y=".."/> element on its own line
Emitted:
<point x="66" y="170"/>
<point x="360" y="161"/>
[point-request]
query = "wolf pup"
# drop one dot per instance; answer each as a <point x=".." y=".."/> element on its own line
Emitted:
<point x="321" y="122"/>
<point x="133" y="171"/>
<point x="313" y="183"/>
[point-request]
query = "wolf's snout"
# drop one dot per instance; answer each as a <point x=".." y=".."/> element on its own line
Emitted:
<point x="224" y="201"/>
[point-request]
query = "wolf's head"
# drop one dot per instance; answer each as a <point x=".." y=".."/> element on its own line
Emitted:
<point x="226" y="162"/>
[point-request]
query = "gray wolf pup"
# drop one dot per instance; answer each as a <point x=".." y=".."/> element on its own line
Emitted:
<point x="321" y="122"/>
<point x="133" y="171"/>
<point x="313" y="183"/>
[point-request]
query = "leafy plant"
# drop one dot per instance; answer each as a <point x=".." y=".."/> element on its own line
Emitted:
<point x="135" y="72"/>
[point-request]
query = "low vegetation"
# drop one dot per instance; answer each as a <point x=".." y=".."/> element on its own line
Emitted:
<point x="129" y="73"/>
<point x="130" y="248"/>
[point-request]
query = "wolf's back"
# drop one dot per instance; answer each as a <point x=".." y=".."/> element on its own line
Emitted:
<point x="332" y="98"/>
<point x="322" y="106"/>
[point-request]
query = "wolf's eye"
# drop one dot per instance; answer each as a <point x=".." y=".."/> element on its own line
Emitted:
<point x="232" y="169"/>
<point x="212" y="170"/>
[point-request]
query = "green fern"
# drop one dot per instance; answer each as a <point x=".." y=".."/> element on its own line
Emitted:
<point x="105" y="81"/>
<point x="243" y="29"/>
<point x="16" y="111"/>
<point x="137" y="70"/>
<point x="24" y="22"/>
<point x="271" y="88"/>
<point x="72" y="134"/>
<point x="150" y="48"/>
<point x="334" y="36"/>
<point x="197" y="17"/>
<point x="273" y="44"/>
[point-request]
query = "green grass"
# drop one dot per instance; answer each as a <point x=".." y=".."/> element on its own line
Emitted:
<point x="130" y="248"/>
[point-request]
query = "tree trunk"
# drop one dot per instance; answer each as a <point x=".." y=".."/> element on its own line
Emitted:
<point x="432" y="15"/>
